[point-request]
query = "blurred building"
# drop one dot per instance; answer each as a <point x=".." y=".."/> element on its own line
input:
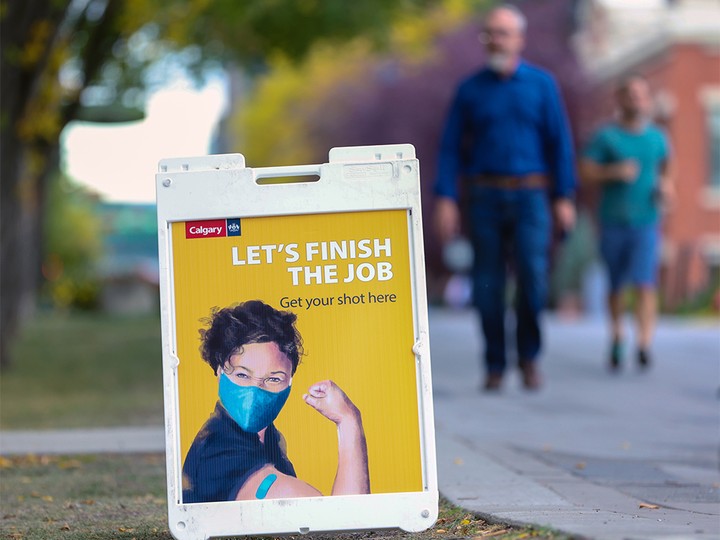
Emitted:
<point x="676" y="46"/>
<point x="128" y="269"/>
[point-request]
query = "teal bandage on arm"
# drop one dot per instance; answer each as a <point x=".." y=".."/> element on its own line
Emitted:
<point x="265" y="485"/>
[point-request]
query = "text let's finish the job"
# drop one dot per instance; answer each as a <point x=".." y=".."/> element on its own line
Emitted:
<point x="323" y="251"/>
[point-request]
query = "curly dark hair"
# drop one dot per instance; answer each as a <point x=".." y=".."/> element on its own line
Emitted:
<point x="248" y="322"/>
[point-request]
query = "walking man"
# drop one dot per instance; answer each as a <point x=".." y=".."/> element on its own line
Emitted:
<point x="629" y="158"/>
<point x="507" y="139"/>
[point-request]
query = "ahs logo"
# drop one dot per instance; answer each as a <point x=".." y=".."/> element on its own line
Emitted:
<point x="233" y="227"/>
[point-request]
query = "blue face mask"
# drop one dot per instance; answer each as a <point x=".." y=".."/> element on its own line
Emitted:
<point x="251" y="407"/>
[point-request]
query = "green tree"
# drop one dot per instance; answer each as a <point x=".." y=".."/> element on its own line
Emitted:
<point x="52" y="51"/>
<point x="73" y="245"/>
<point x="62" y="60"/>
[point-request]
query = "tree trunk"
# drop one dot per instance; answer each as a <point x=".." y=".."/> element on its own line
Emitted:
<point x="14" y="285"/>
<point x="28" y="32"/>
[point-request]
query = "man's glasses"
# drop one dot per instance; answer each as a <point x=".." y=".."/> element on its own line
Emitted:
<point x="488" y="34"/>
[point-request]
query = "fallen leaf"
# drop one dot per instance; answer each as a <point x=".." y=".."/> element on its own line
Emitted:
<point x="88" y="502"/>
<point x="490" y="534"/>
<point x="580" y="465"/>
<point x="65" y="527"/>
<point x="459" y="461"/>
<point x="465" y="522"/>
<point x="649" y="506"/>
<point x="69" y="464"/>
<point x="440" y="531"/>
<point x="125" y="529"/>
<point x="47" y="498"/>
<point x="5" y="463"/>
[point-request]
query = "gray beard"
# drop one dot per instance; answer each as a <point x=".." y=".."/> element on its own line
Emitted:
<point x="499" y="62"/>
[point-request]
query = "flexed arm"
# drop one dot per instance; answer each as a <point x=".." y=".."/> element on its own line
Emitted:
<point x="352" y="476"/>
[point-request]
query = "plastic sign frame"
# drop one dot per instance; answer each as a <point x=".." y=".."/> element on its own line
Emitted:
<point x="356" y="179"/>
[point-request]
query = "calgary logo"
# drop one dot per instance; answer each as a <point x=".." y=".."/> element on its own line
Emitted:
<point x="212" y="228"/>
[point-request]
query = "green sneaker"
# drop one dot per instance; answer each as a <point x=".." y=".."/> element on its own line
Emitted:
<point x="616" y="353"/>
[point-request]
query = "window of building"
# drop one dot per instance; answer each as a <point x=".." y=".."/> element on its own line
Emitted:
<point x="714" y="140"/>
<point x="710" y="99"/>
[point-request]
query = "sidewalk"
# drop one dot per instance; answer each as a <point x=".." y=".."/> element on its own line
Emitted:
<point x="592" y="454"/>
<point x="84" y="441"/>
<point x="587" y="453"/>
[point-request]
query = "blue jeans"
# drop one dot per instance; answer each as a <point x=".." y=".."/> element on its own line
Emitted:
<point x="510" y="225"/>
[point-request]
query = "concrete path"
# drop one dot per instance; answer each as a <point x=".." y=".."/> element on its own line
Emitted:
<point x="84" y="441"/>
<point x="626" y="456"/>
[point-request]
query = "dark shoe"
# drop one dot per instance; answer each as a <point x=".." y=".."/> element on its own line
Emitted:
<point x="643" y="358"/>
<point x="530" y="375"/>
<point x="493" y="382"/>
<point x="616" y="353"/>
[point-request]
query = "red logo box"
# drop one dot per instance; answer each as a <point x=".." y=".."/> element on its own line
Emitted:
<point x="210" y="228"/>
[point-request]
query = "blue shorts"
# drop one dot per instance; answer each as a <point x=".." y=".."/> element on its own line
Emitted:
<point x="631" y="253"/>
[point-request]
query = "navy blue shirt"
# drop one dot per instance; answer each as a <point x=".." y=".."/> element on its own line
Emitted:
<point x="223" y="456"/>
<point x="507" y="126"/>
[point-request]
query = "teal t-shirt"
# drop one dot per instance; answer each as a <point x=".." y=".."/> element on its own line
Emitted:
<point x="630" y="203"/>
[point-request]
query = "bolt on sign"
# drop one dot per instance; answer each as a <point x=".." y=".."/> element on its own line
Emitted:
<point x="296" y="361"/>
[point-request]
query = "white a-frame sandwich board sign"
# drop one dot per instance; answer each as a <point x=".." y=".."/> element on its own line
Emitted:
<point x="296" y="361"/>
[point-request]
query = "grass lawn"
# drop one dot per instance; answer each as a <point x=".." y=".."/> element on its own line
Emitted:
<point x="84" y="370"/>
<point x="105" y="497"/>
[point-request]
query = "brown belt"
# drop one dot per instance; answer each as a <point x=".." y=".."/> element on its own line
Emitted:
<point x="528" y="181"/>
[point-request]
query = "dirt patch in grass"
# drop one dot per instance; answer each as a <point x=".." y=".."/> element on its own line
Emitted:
<point x="103" y="497"/>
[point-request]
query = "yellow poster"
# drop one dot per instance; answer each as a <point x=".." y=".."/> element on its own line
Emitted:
<point x="327" y="298"/>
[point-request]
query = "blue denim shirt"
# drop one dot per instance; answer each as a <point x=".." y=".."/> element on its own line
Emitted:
<point x="507" y="126"/>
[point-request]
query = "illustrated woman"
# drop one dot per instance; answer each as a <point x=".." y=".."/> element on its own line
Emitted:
<point x="254" y="350"/>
